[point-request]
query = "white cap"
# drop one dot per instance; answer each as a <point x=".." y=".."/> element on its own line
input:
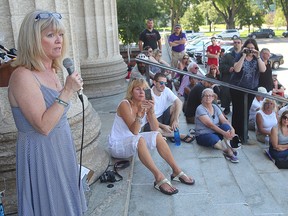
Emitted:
<point x="142" y="56"/>
<point x="262" y="90"/>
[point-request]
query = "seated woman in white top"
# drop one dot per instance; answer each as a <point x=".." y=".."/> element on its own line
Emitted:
<point x="266" y="118"/>
<point x="279" y="138"/>
<point x="126" y="140"/>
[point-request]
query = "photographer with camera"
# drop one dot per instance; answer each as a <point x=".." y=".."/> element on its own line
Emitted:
<point x="247" y="68"/>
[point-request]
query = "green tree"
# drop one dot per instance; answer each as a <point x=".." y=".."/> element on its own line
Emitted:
<point x="284" y="6"/>
<point x="175" y="9"/>
<point x="131" y="18"/>
<point x="228" y="10"/>
<point x="209" y="13"/>
<point x="192" y="19"/>
<point x="279" y="18"/>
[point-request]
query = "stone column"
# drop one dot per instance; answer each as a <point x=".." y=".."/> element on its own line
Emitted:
<point x="96" y="58"/>
<point x="102" y="66"/>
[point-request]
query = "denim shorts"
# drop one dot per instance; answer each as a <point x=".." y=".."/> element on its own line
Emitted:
<point x="210" y="139"/>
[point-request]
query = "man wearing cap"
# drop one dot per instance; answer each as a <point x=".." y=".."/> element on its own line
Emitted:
<point x="213" y="52"/>
<point x="141" y="70"/>
<point x="256" y="105"/>
<point x="177" y="41"/>
<point x="150" y="37"/>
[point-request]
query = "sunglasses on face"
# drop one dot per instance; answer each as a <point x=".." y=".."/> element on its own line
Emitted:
<point x="47" y="16"/>
<point x="196" y="68"/>
<point x="213" y="69"/>
<point x="285" y="118"/>
<point x="162" y="82"/>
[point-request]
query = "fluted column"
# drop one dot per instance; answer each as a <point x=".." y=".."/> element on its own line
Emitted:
<point x="95" y="157"/>
<point x="102" y="66"/>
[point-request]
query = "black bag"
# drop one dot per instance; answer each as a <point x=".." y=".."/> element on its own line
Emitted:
<point x="113" y="175"/>
<point x="282" y="163"/>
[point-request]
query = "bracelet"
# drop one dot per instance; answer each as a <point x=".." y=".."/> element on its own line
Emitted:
<point x="139" y="119"/>
<point x="151" y="111"/>
<point x="58" y="100"/>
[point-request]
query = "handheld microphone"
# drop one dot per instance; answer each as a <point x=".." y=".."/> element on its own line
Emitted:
<point x="69" y="65"/>
<point x="4" y="48"/>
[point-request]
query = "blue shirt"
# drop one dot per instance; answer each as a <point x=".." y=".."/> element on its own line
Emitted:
<point x="180" y="47"/>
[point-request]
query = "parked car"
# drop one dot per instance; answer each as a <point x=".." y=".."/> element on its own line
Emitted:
<point x="276" y="60"/>
<point x="285" y="34"/>
<point x="229" y="33"/>
<point x="196" y="45"/>
<point x="262" y="33"/>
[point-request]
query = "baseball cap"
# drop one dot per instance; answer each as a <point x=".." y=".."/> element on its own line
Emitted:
<point x="262" y="90"/>
<point x="177" y="26"/>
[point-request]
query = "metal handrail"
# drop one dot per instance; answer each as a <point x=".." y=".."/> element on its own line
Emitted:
<point x="245" y="90"/>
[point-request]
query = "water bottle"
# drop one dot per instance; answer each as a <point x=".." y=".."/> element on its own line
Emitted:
<point x="177" y="137"/>
<point x="1" y="206"/>
<point x="267" y="140"/>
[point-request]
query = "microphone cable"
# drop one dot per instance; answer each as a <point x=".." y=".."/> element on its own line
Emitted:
<point x="82" y="138"/>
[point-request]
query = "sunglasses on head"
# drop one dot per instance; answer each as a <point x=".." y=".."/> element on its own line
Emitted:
<point x="47" y="16"/>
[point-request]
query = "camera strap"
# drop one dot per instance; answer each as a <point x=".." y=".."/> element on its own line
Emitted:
<point x="120" y="165"/>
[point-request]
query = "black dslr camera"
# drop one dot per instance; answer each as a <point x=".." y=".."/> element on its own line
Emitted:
<point x="108" y="176"/>
<point x="247" y="51"/>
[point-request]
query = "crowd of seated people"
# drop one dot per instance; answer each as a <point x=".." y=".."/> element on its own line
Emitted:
<point x="263" y="113"/>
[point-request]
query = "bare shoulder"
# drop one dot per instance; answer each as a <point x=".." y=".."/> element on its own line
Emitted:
<point x="124" y="107"/>
<point x="19" y="75"/>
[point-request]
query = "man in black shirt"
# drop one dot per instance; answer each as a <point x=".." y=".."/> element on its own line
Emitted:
<point x="150" y="37"/>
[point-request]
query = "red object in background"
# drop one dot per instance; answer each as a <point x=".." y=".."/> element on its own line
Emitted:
<point x="129" y="69"/>
<point x="5" y="72"/>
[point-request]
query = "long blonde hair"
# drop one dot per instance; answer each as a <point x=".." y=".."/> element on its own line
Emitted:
<point x="136" y="82"/>
<point x="30" y="51"/>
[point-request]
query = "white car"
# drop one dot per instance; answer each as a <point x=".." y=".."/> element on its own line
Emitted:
<point x="229" y="33"/>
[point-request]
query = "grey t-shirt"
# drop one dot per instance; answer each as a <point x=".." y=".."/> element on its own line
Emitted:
<point x="200" y="128"/>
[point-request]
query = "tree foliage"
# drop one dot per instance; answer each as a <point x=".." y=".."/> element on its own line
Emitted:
<point x="279" y="18"/>
<point x="284" y="7"/>
<point x="131" y="18"/>
<point x="192" y="19"/>
<point x="228" y="10"/>
<point x="175" y="9"/>
<point x="250" y="15"/>
<point x="209" y="13"/>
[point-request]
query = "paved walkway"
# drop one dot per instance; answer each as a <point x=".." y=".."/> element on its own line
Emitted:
<point x="254" y="186"/>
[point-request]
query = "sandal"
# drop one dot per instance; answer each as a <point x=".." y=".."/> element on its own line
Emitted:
<point x="171" y="139"/>
<point x="159" y="188"/>
<point x="188" y="139"/>
<point x="180" y="179"/>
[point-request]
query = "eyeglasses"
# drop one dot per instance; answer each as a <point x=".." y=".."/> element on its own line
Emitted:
<point x="47" y="15"/>
<point x="237" y="42"/>
<point x="285" y="118"/>
<point x="162" y="82"/>
<point x="196" y="68"/>
<point x="208" y="96"/>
